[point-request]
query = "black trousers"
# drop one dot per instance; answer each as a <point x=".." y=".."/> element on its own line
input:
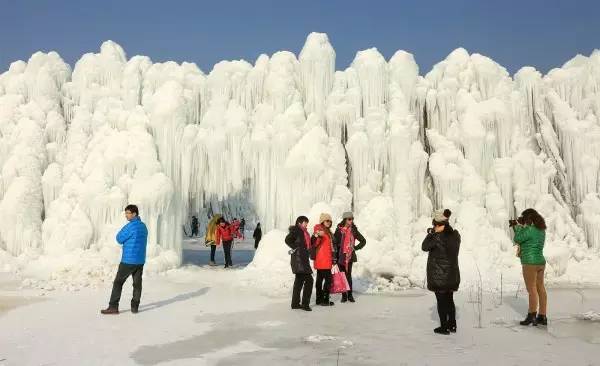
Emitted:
<point x="323" y="285"/>
<point x="195" y="231"/>
<point x="213" y="249"/>
<point x="256" y="241"/>
<point x="227" y="252"/>
<point x="125" y="270"/>
<point x="302" y="281"/>
<point x="445" y="307"/>
<point x="348" y="272"/>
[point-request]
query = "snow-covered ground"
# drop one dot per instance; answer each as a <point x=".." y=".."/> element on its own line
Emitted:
<point x="201" y="315"/>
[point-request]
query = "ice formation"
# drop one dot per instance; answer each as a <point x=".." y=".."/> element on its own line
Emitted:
<point x="291" y="135"/>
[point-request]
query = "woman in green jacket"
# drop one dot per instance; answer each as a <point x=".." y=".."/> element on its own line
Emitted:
<point x="530" y="234"/>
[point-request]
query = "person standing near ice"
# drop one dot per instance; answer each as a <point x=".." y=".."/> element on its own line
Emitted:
<point x="257" y="235"/>
<point x="225" y="232"/>
<point x="298" y="239"/>
<point x="443" y="274"/>
<point x="530" y="234"/>
<point x="343" y="240"/>
<point x="194" y="226"/>
<point x="242" y="228"/>
<point x="134" y="238"/>
<point x="322" y="244"/>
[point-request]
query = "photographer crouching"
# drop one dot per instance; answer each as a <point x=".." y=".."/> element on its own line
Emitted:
<point x="443" y="275"/>
<point x="530" y="234"/>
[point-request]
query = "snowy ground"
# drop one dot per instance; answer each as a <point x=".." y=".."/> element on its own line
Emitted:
<point x="199" y="315"/>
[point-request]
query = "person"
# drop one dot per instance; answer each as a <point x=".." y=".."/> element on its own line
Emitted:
<point x="298" y="239"/>
<point x="133" y="238"/>
<point x="530" y="234"/>
<point x="211" y="235"/>
<point x="235" y="228"/>
<point x="257" y="235"/>
<point x="443" y="275"/>
<point x="194" y="226"/>
<point x="242" y="228"/>
<point x="343" y="240"/>
<point x="322" y="244"/>
<point x="224" y="236"/>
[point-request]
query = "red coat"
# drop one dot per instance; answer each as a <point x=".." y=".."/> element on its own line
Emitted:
<point x="224" y="234"/>
<point x="324" y="255"/>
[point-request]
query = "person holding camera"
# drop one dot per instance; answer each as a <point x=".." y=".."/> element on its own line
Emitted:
<point x="322" y="247"/>
<point x="443" y="274"/>
<point x="530" y="234"/>
<point x="298" y="239"/>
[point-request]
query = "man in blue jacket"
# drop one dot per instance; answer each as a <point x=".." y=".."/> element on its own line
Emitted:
<point x="133" y="237"/>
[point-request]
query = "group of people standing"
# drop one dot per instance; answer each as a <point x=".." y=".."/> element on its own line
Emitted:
<point x="220" y="232"/>
<point x="327" y="248"/>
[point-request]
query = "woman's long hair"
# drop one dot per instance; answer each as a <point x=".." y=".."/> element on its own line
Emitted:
<point x="532" y="217"/>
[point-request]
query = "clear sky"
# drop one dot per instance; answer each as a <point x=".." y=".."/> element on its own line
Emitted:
<point x="543" y="34"/>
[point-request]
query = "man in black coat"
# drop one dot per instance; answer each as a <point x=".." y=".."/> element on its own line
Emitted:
<point x="345" y="235"/>
<point x="443" y="275"/>
<point x="298" y="240"/>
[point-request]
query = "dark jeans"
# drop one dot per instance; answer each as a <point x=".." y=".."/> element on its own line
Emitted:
<point x="302" y="281"/>
<point x="445" y="307"/>
<point x="256" y="241"/>
<point x="126" y="270"/>
<point x="227" y="252"/>
<point x="213" y="249"/>
<point x="323" y="275"/>
<point x="348" y="273"/>
<point x="194" y="231"/>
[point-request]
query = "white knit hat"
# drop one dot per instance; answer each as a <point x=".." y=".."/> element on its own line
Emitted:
<point x="438" y="216"/>
<point x="324" y="217"/>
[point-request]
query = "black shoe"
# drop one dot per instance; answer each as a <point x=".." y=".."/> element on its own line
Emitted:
<point x="296" y="306"/>
<point x="441" y="330"/>
<point x="350" y="297"/>
<point x="530" y="319"/>
<point x="541" y="320"/>
<point x="306" y="308"/>
<point x="135" y="309"/>
<point x="327" y="303"/>
<point x="344" y="297"/>
<point x="452" y="326"/>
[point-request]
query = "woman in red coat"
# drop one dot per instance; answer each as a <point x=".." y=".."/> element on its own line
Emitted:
<point x="225" y="235"/>
<point x="322" y="242"/>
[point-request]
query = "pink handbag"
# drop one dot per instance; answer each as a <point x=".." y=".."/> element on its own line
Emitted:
<point x="339" y="283"/>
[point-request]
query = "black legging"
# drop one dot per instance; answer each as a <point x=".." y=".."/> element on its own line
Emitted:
<point x="348" y="272"/>
<point x="227" y="252"/>
<point x="445" y="307"/>
<point x="322" y="289"/>
<point x="213" y="249"/>
<point x="302" y="281"/>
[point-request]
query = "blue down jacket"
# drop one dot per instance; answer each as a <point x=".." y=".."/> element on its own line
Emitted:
<point x="133" y="237"/>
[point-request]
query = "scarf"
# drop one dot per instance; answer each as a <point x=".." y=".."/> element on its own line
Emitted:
<point x="306" y="237"/>
<point x="347" y="243"/>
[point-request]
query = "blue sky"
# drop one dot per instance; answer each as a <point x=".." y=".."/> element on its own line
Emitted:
<point x="543" y="34"/>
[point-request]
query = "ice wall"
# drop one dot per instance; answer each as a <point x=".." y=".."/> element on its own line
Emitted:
<point x="288" y="135"/>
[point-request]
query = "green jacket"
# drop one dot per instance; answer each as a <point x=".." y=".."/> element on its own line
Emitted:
<point x="531" y="240"/>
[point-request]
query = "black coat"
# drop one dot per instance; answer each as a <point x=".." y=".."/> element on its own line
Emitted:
<point x="257" y="235"/>
<point x="338" y="240"/>
<point x="443" y="273"/>
<point x="299" y="258"/>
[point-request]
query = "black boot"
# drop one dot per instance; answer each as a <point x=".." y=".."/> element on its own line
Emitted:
<point x="452" y="325"/>
<point x="350" y="297"/>
<point x="344" y="297"/>
<point x="530" y="319"/>
<point x="325" y="301"/>
<point x="541" y="320"/>
<point x="442" y="329"/>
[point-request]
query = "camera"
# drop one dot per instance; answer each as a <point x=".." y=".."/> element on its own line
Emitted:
<point x="519" y="220"/>
<point x="430" y="230"/>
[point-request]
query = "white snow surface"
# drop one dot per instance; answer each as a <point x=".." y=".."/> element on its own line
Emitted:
<point x="290" y="135"/>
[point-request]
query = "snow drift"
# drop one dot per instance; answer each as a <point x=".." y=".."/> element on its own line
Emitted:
<point x="291" y="135"/>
